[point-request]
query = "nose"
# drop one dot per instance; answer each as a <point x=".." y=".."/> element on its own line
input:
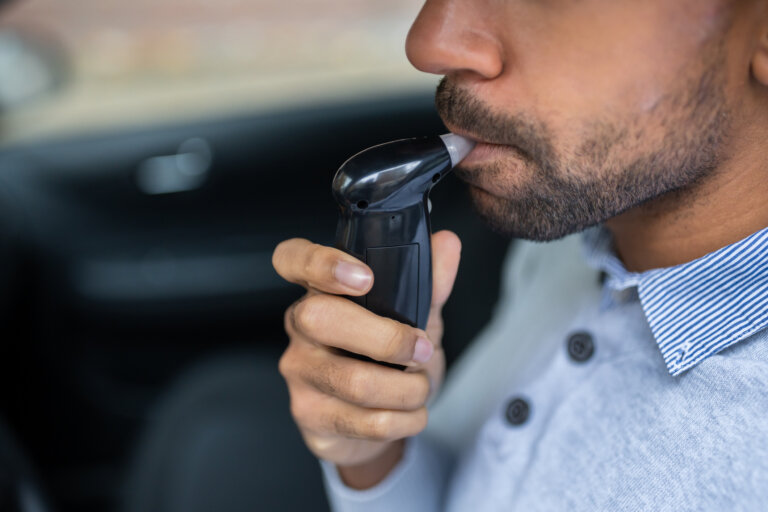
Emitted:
<point x="450" y="36"/>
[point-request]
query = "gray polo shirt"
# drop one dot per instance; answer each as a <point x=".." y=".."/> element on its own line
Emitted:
<point x="599" y="389"/>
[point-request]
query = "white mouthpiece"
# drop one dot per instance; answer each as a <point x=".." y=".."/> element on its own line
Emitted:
<point x="458" y="147"/>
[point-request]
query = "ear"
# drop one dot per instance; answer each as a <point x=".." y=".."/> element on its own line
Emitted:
<point x="760" y="60"/>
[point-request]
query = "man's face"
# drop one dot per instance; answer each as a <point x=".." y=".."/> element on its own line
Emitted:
<point x="591" y="107"/>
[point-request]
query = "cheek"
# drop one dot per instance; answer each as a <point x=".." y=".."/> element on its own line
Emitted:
<point x="600" y="60"/>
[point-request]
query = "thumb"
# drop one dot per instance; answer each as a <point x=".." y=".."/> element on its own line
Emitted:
<point x="446" y="253"/>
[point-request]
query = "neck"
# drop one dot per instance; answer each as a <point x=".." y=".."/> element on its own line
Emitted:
<point x="678" y="227"/>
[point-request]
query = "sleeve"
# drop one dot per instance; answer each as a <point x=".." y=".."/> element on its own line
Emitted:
<point x="417" y="483"/>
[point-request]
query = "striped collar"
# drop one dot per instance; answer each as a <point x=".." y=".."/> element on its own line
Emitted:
<point x="698" y="308"/>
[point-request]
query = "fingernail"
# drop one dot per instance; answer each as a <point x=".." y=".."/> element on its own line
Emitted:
<point x="423" y="351"/>
<point x="352" y="275"/>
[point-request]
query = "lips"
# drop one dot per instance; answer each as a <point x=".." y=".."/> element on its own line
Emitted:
<point x="485" y="150"/>
<point x="490" y="167"/>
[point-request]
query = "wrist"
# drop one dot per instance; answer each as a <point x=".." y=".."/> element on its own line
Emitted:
<point x="364" y="476"/>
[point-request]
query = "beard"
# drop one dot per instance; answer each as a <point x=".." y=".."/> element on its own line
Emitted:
<point x="534" y="191"/>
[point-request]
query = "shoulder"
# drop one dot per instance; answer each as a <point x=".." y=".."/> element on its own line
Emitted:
<point x="713" y="403"/>
<point x="696" y="439"/>
<point x="732" y="382"/>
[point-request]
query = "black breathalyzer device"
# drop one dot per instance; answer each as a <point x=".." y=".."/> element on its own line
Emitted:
<point x="384" y="207"/>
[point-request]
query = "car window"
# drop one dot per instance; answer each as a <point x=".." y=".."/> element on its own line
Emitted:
<point x="84" y="66"/>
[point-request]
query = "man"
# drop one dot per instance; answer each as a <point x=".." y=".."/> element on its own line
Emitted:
<point x="647" y="120"/>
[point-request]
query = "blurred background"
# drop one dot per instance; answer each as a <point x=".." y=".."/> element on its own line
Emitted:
<point x="152" y="154"/>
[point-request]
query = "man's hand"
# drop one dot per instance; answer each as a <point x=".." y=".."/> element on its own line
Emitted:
<point x="353" y="412"/>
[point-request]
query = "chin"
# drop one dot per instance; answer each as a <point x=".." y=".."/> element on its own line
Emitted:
<point x="492" y="210"/>
<point x="524" y="219"/>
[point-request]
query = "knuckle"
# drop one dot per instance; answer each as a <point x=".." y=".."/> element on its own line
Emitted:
<point x="280" y="254"/>
<point x="357" y="386"/>
<point x="418" y="392"/>
<point x="346" y="426"/>
<point x="308" y="313"/>
<point x="394" y="345"/>
<point x="299" y="410"/>
<point x="319" y="445"/>
<point x="435" y="322"/>
<point x="324" y="377"/>
<point x="317" y="262"/>
<point x="379" y="425"/>
<point x="285" y="364"/>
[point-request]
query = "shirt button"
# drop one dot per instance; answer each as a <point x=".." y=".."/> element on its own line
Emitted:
<point x="580" y="346"/>
<point x="518" y="411"/>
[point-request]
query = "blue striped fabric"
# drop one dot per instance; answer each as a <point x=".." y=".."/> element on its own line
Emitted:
<point x="698" y="308"/>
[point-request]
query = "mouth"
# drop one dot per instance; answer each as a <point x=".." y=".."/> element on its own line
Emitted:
<point x="484" y="150"/>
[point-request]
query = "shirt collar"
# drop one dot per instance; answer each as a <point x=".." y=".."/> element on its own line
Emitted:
<point x="698" y="308"/>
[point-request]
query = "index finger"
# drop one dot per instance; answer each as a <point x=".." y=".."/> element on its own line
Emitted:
<point x="323" y="268"/>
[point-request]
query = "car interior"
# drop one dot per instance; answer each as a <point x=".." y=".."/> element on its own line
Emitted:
<point x="132" y="257"/>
